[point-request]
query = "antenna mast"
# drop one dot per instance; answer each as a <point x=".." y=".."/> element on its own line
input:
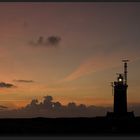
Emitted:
<point x="112" y="85"/>
<point x="125" y="70"/>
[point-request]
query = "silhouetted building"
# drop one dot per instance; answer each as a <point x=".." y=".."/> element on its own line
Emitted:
<point x="120" y="96"/>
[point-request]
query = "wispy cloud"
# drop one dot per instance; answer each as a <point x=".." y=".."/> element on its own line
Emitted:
<point x="24" y="81"/>
<point x="83" y="69"/>
<point x="98" y="63"/>
<point x="89" y="66"/>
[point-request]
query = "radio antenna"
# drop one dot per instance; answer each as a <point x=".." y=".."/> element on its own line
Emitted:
<point x="125" y="71"/>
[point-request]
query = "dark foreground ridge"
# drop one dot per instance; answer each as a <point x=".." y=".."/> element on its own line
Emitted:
<point x="98" y="126"/>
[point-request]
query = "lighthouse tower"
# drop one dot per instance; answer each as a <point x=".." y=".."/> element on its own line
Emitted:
<point x="120" y="92"/>
<point x="120" y="95"/>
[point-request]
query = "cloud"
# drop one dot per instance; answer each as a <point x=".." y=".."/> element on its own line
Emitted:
<point x="3" y="107"/>
<point x="49" y="108"/>
<point x="89" y="66"/>
<point x="54" y="109"/>
<point x="83" y="69"/>
<point x="6" y="85"/>
<point x="97" y="63"/>
<point x="24" y="81"/>
<point x="51" y="41"/>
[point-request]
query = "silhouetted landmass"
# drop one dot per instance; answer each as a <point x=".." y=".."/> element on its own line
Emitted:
<point x="98" y="126"/>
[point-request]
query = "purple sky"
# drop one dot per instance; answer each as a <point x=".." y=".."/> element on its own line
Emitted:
<point x="71" y="51"/>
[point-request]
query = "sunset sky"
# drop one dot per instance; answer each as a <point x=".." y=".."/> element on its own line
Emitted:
<point x="70" y="51"/>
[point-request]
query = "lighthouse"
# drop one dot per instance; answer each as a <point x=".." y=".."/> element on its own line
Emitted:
<point x="120" y="87"/>
<point x="120" y="92"/>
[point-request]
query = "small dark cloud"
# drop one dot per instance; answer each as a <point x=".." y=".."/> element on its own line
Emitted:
<point x="6" y="85"/>
<point x="3" y="107"/>
<point x="51" y="41"/>
<point x="24" y="81"/>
